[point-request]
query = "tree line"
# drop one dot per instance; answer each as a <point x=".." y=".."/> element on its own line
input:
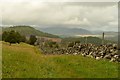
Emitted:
<point x="15" y="37"/>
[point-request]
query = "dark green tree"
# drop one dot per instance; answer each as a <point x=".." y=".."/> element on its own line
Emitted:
<point x="4" y="35"/>
<point x="23" y="39"/>
<point x="18" y="37"/>
<point x="12" y="37"/>
<point x="32" y="39"/>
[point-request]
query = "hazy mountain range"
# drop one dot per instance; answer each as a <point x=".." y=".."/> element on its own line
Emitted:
<point x="68" y="32"/>
<point x="65" y="31"/>
<point x="74" y="31"/>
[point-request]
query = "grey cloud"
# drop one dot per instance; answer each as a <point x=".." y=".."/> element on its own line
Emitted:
<point x="93" y="4"/>
<point x="86" y="15"/>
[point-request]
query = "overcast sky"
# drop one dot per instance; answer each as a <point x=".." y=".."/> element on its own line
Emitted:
<point x="65" y="13"/>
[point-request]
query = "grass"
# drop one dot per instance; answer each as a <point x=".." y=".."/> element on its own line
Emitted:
<point x="26" y="61"/>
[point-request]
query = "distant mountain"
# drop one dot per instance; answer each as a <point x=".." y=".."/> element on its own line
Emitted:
<point x="27" y="31"/>
<point x="72" y="32"/>
<point x="65" y="31"/>
<point x="93" y="40"/>
<point x="106" y="32"/>
<point x="109" y="35"/>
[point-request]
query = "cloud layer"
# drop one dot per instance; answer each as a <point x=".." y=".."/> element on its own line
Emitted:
<point x="88" y="15"/>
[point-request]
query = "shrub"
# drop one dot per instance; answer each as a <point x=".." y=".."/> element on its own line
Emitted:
<point x="12" y="37"/>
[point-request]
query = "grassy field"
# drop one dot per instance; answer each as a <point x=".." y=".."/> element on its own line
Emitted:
<point x="26" y="61"/>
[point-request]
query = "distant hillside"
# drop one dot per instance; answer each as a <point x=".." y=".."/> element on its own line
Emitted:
<point x="27" y="31"/>
<point x="93" y="40"/>
<point x="106" y="32"/>
<point x="73" y="32"/>
<point x="65" y="31"/>
<point x="109" y="35"/>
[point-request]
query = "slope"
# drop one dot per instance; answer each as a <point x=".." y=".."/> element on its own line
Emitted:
<point x="27" y="31"/>
<point x="25" y="61"/>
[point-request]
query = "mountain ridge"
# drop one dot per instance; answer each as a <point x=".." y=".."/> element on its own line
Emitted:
<point x="28" y="30"/>
<point x="65" y="31"/>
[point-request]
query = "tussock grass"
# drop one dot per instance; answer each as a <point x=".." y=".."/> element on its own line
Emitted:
<point x="26" y="61"/>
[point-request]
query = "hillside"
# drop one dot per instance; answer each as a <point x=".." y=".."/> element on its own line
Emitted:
<point x="73" y="32"/>
<point x="25" y="61"/>
<point x="27" y="31"/>
<point x="93" y="40"/>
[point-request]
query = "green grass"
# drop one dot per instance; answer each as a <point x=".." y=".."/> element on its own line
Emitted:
<point x="26" y="61"/>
